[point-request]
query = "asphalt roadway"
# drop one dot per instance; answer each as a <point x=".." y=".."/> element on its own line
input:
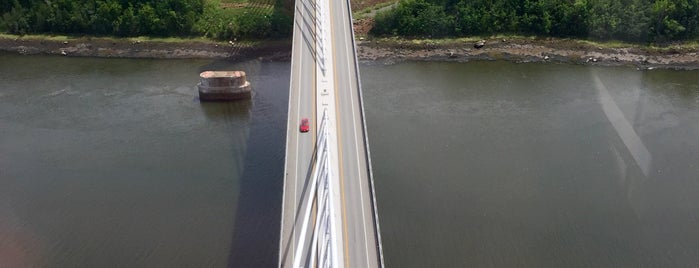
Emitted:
<point x="299" y="146"/>
<point x="360" y="236"/>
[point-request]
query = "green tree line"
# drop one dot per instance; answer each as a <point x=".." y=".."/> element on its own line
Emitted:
<point x="255" y="22"/>
<point x="141" y="18"/>
<point x="628" y="20"/>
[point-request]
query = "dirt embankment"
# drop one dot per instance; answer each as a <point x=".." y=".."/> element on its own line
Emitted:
<point x="134" y="48"/>
<point x="531" y="50"/>
<point x="386" y="51"/>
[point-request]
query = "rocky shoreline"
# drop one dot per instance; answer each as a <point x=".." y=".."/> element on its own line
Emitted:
<point x="386" y="52"/>
<point x="556" y="51"/>
<point x="135" y="48"/>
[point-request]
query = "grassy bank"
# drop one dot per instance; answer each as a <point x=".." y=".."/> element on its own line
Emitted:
<point x="389" y="42"/>
<point x="370" y="11"/>
<point x="54" y="37"/>
<point x="144" y="40"/>
<point x="144" y="47"/>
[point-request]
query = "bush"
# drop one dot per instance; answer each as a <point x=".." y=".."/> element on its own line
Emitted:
<point x="15" y="21"/>
<point x="628" y="20"/>
<point x="102" y="17"/>
<point x="415" y="18"/>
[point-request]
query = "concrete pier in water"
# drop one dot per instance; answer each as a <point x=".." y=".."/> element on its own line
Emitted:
<point x="223" y="86"/>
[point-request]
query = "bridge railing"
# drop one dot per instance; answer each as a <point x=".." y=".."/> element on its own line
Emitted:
<point x="321" y="251"/>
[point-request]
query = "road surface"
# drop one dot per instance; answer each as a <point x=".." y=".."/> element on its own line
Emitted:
<point x="360" y="246"/>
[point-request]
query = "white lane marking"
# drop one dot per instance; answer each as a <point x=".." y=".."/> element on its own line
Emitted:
<point x="356" y="146"/>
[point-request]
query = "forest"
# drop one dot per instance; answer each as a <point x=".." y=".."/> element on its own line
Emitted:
<point x="144" y="18"/>
<point x="627" y="20"/>
<point x="640" y="21"/>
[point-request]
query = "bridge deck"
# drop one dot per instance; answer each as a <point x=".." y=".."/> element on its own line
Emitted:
<point x="337" y="89"/>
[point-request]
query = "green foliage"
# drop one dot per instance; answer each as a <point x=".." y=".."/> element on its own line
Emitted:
<point x="535" y="18"/>
<point x="568" y="19"/>
<point x="143" y="17"/>
<point x="628" y="20"/>
<point x="213" y="22"/>
<point x="105" y="17"/>
<point x="666" y="16"/>
<point x="281" y="23"/>
<point x="15" y="20"/>
<point x="481" y="17"/>
<point x="254" y="24"/>
<point x="247" y="23"/>
<point x="417" y="18"/>
<point x="385" y="24"/>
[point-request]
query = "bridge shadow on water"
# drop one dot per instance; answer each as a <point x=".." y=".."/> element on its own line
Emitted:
<point x="255" y="241"/>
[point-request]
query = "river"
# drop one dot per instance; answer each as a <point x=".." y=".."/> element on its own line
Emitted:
<point x="493" y="164"/>
<point x="114" y="162"/>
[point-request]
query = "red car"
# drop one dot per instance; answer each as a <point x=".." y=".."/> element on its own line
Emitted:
<point x="304" y="125"/>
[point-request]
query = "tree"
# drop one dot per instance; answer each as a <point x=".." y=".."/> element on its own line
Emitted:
<point x="15" y="21"/>
<point x="664" y="25"/>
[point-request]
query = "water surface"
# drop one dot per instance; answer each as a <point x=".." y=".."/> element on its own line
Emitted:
<point x="492" y="164"/>
<point x="110" y="162"/>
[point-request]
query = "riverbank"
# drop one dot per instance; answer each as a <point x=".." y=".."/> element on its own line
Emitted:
<point x="142" y="47"/>
<point x="386" y="50"/>
<point x="524" y="49"/>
